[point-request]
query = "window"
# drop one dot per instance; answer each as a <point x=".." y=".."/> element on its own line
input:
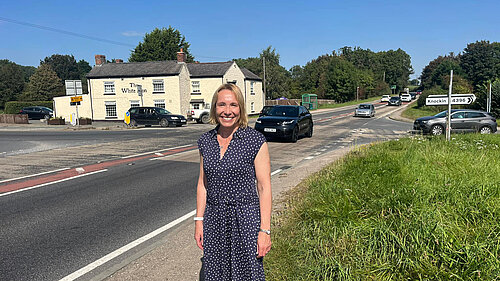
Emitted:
<point x="458" y="115"/>
<point x="134" y="103"/>
<point x="252" y="88"/>
<point x="196" y="106"/>
<point x="160" y="103"/>
<point x="252" y="107"/>
<point x="474" y="115"/>
<point x="109" y="88"/>
<point x="158" y="86"/>
<point x="110" y="109"/>
<point x="195" y="87"/>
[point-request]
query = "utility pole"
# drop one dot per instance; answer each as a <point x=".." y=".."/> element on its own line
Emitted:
<point x="488" y="104"/>
<point x="448" y="121"/>
<point x="264" y="67"/>
<point x="384" y="75"/>
<point x="357" y="93"/>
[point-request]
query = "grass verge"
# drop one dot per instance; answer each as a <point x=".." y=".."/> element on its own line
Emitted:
<point x="414" y="209"/>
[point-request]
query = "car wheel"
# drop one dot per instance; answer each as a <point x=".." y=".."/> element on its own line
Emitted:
<point x="437" y="130"/>
<point x="295" y="135"/>
<point x="133" y="123"/>
<point x="164" y="123"/>
<point x="310" y="131"/>
<point x="46" y="117"/>
<point x="485" y="130"/>
<point x="205" y="119"/>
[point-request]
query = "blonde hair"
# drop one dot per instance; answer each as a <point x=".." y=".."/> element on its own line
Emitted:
<point x="243" y="120"/>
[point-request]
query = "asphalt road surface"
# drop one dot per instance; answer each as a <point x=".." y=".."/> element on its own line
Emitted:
<point x="55" y="229"/>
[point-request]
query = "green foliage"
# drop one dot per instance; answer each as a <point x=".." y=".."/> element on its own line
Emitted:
<point x="11" y="81"/>
<point x="28" y="71"/>
<point x="277" y="77"/>
<point x="65" y="66"/>
<point x="397" y="67"/>
<point x="13" y="107"/>
<point x="436" y="90"/>
<point x="413" y="209"/>
<point x="43" y="85"/>
<point x="433" y="74"/>
<point x="161" y="44"/>
<point x="481" y="61"/>
<point x="482" y="96"/>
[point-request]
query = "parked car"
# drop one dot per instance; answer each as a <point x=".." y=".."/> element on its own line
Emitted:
<point x="37" y="112"/>
<point x="394" y="101"/>
<point x="265" y="110"/>
<point x="365" y="110"/>
<point x="286" y="121"/>
<point x="385" y="98"/>
<point x="406" y="97"/>
<point x="154" y="116"/>
<point x="462" y="120"/>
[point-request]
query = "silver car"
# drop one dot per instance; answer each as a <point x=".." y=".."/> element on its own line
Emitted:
<point x="364" y="110"/>
<point x="462" y="120"/>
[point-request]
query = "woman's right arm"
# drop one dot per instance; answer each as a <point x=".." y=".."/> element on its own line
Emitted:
<point x="201" y="201"/>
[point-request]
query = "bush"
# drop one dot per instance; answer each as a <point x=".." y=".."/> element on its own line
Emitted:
<point x="432" y="91"/>
<point x="13" y="107"/>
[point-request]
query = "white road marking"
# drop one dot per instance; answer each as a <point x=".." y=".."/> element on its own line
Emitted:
<point x="52" y="182"/>
<point x="131" y="245"/>
<point x="275" y="172"/>
<point x="170" y="155"/>
<point x="317" y="153"/>
<point x="309" y="157"/>
<point x="80" y="170"/>
<point x="158" y="154"/>
<point x="145" y="153"/>
<point x="34" y="175"/>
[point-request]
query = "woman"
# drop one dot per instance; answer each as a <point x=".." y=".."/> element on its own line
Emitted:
<point x="233" y="213"/>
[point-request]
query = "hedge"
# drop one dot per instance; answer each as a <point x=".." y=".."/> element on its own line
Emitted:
<point x="13" y="107"/>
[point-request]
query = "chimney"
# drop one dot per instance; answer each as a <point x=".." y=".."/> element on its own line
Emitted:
<point x="118" y="60"/>
<point x="181" y="56"/>
<point x="100" y="59"/>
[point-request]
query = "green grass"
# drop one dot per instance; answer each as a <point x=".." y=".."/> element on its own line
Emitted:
<point x="413" y="112"/>
<point x="321" y="106"/>
<point x="413" y="209"/>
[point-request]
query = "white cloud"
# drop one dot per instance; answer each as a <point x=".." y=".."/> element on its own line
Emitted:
<point x="131" y="33"/>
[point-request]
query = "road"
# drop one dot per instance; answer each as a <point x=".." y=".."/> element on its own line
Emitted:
<point x="56" y="229"/>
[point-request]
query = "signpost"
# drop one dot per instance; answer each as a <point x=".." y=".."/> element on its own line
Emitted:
<point x="74" y="88"/>
<point x="139" y="93"/>
<point x="455" y="99"/>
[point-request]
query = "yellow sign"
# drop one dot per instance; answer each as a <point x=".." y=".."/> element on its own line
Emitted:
<point x="127" y="118"/>
<point x="76" y="99"/>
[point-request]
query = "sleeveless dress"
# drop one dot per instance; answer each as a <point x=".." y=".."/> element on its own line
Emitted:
<point x="232" y="214"/>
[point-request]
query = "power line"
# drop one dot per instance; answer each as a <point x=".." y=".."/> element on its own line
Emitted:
<point x="66" y="32"/>
<point x="85" y="36"/>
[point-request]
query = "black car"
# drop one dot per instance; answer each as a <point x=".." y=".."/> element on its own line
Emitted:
<point x="154" y="116"/>
<point x="462" y="120"/>
<point x="394" y="101"/>
<point x="265" y="110"/>
<point x="37" y="112"/>
<point x="286" y="121"/>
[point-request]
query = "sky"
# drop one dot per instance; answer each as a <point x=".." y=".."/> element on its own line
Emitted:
<point x="299" y="31"/>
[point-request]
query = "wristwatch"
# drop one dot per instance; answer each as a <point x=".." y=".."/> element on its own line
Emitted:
<point x="266" y="231"/>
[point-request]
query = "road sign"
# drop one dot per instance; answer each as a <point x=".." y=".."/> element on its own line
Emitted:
<point x="455" y="99"/>
<point x="393" y="87"/>
<point x="139" y="90"/>
<point x="73" y="87"/>
<point x="127" y="118"/>
<point x="76" y="99"/>
<point x="73" y="119"/>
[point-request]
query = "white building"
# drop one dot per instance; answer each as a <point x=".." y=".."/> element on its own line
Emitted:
<point x="174" y="85"/>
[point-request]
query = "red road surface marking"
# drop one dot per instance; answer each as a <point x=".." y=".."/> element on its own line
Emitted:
<point x="89" y="168"/>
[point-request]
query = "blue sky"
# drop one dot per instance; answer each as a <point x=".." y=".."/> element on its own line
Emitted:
<point x="221" y="30"/>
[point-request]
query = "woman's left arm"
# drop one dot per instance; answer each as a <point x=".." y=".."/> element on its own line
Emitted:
<point x="263" y="173"/>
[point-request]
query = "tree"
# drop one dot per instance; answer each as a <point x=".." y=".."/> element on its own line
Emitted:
<point x="65" y="67"/>
<point x="277" y="77"/>
<point x="11" y="81"/>
<point x="397" y="67"/>
<point x="161" y="44"/>
<point x="83" y="68"/>
<point x="481" y="61"/>
<point x="43" y="86"/>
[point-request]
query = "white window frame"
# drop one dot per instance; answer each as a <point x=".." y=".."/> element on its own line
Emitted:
<point x="252" y="84"/>
<point x="252" y="107"/>
<point x="195" y="87"/>
<point x="158" y="86"/>
<point x="135" y="103"/>
<point x="109" y="88"/>
<point x="108" y="105"/>
<point x="158" y="103"/>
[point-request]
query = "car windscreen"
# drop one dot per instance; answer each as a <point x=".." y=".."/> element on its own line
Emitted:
<point x="394" y="98"/>
<point x="440" y="114"/>
<point x="284" y="111"/>
<point x="162" y="111"/>
<point x="364" y="106"/>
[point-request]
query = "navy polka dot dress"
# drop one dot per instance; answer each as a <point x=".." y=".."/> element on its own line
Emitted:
<point x="232" y="214"/>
